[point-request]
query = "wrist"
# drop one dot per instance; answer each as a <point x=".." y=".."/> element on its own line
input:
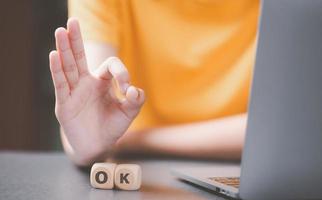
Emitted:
<point x="85" y="156"/>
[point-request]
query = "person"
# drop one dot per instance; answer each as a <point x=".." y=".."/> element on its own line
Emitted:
<point x="193" y="60"/>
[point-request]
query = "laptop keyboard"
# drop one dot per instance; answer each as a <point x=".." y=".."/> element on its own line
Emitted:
<point x="230" y="181"/>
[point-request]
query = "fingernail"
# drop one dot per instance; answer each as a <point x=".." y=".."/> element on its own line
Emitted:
<point x="138" y="94"/>
<point x="116" y="66"/>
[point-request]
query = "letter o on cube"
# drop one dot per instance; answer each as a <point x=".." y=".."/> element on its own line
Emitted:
<point x="128" y="176"/>
<point x="102" y="175"/>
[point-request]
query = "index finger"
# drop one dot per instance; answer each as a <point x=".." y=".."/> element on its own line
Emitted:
<point x="118" y="70"/>
<point x="113" y="69"/>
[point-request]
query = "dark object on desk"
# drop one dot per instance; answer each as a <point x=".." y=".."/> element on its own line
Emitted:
<point x="32" y="176"/>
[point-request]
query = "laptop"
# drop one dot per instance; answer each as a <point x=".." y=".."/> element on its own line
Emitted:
<point x="282" y="155"/>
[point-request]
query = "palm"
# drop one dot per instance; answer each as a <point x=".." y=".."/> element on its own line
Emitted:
<point x="89" y="111"/>
<point x="90" y="116"/>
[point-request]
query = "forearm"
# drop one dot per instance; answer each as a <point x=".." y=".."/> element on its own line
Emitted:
<point x="220" y="138"/>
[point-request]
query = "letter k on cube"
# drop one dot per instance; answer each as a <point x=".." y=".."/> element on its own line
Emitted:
<point x="128" y="177"/>
<point x="124" y="178"/>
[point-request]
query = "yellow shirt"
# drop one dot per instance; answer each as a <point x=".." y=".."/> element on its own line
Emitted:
<point x="193" y="58"/>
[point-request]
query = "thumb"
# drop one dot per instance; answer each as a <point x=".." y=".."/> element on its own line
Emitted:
<point x="102" y="71"/>
<point x="135" y="98"/>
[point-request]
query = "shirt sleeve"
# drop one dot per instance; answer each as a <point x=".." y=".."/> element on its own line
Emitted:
<point x="99" y="19"/>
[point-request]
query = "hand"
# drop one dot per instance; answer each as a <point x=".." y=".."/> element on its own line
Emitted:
<point x="91" y="116"/>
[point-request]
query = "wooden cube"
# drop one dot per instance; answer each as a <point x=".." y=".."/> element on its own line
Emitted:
<point x="128" y="177"/>
<point x="102" y="175"/>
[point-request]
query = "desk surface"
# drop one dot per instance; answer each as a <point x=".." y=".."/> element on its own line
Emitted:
<point x="52" y="176"/>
